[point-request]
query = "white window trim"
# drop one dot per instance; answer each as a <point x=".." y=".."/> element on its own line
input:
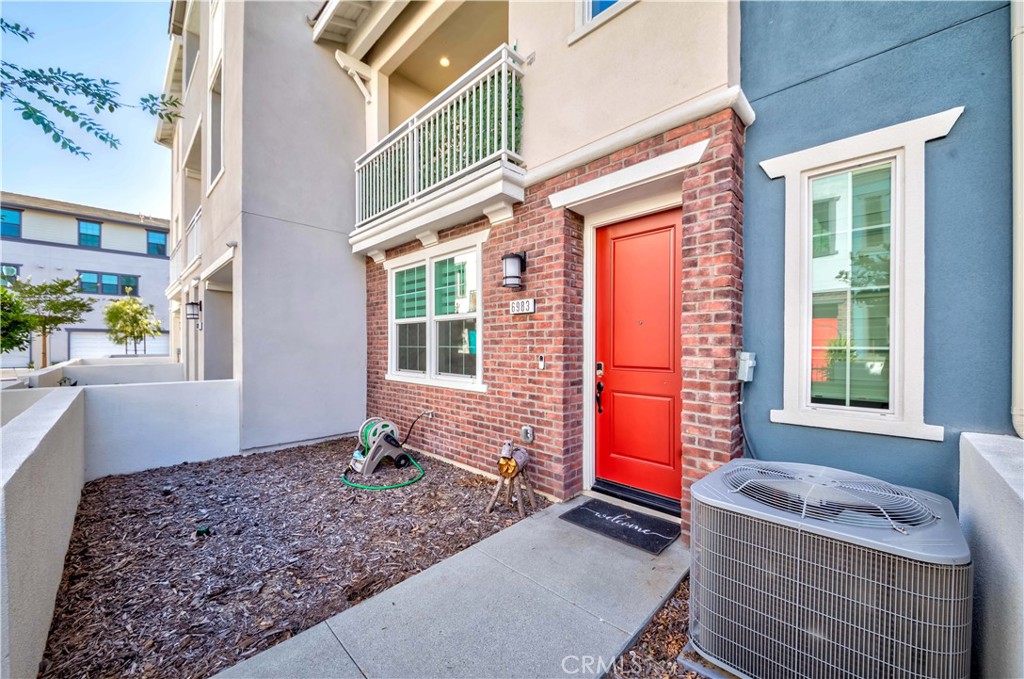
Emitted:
<point x="190" y="69"/>
<point x="905" y="143"/>
<point x="214" y="180"/>
<point x="471" y="243"/>
<point x="586" y="25"/>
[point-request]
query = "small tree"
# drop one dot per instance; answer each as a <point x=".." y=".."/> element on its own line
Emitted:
<point x="129" y="320"/>
<point x="54" y="99"/>
<point x="15" y="325"/>
<point x="50" y="306"/>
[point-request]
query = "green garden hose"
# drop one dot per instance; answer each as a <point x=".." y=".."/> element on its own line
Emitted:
<point x="344" y="479"/>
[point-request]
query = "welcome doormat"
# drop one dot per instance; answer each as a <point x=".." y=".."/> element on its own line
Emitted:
<point x="636" y="529"/>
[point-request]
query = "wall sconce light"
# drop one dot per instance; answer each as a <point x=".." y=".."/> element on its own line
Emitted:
<point x="193" y="310"/>
<point x="513" y="265"/>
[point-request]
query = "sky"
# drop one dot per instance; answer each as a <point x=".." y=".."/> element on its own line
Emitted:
<point x="121" y="41"/>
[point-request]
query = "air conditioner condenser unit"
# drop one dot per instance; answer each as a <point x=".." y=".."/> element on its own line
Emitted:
<point x="807" y="571"/>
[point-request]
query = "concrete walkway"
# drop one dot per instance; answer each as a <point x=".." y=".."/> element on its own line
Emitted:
<point x="535" y="600"/>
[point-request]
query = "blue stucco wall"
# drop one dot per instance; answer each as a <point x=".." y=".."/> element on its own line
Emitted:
<point x="820" y="71"/>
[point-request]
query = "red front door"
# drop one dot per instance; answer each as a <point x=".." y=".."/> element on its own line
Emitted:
<point x="638" y="426"/>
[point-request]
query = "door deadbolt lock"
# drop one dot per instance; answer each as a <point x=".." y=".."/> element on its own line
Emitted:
<point x="600" y="369"/>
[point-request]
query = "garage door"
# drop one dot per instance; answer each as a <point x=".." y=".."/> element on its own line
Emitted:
<point x="95" y="344"/>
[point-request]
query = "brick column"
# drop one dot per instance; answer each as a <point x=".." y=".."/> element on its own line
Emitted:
<point x="712" y="305"/>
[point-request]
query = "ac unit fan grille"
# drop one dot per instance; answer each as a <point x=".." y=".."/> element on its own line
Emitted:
<point x="836" y="496"/>
<point x="774" y="602"/>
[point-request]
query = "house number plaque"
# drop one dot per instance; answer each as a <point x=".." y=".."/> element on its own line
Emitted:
<point x="522" y="306"/>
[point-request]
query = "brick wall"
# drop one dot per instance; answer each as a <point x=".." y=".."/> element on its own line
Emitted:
<point x="469" y="427"/>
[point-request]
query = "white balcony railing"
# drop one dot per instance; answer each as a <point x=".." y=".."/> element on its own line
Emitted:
<point x="193" y="236"/>
<point x="476" y="120"/>
<point x="177" y="261"/>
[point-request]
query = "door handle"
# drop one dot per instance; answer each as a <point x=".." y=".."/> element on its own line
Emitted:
<point x="600" y="388"/>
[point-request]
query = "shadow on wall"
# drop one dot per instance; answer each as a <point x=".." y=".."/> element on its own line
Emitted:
<point x="55" y="440"/>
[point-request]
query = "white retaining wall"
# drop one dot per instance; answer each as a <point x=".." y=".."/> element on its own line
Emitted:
<point x="47" y="377"/>
<point x="136" y="373"/>
<point x="43" y="463"/>
<point x="14" y="402"/>
<point x="992" y="514"/>
<point x="132" y="427"/>
<point x="72" y="434"/>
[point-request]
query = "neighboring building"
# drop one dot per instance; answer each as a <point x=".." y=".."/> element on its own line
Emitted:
<point x="879" y="305"/>
<point x="259" y="237"/>
<point x="109" y="251"/>
<point x="345" y="217"/>
<point x="283" y="187"/>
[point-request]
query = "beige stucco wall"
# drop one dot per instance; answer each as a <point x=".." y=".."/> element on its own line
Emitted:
<point x="649" y="58"/>
<point x="404" y="98"/>
<point x="49" y="227"/>
<point x="58" y="228"/>
<point x="121" y="237"/>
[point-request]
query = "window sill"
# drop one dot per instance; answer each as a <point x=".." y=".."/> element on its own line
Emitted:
<point x="865" y="424"/>
<point x="600" y="20"/>
<point x="216" y="180"/>
<point x="441" y="384"/>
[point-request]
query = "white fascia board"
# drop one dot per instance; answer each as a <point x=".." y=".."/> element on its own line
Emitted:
<point x="372" y="28"/>
<point x="461" y="202"/>
<point x="429" y="15"/>
<point x="173" y="290"/>
<point x="453" y="245"/>
<point x="164" y="129"/>
<point x="650" y="179"/>
<point x="324" y="20"/>
<point x="225" y="257"/>
<point x="877" y="141"/>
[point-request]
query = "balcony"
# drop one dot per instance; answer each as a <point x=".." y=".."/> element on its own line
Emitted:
<point x="193" y="236"/>
<point x="177" y="261"/>
<point x="455" y="160"/>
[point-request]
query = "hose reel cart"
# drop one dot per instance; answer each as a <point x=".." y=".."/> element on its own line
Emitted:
<point x="378" y="442"/>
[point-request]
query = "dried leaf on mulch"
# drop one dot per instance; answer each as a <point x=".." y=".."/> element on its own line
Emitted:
<point x="184" y="571"/>
<point x="654" y="654"/>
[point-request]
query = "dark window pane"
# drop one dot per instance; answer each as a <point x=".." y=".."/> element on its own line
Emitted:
<point x="412" y="347"/>
<point x="89" y="282"/>
<point x="456" y="347"/>
<point x="11" y="223"/>
<point x="89" y="234"/>
<point x="156" y="242"/>
<point x="598" y="6"/>
<point x="130" y="285"/>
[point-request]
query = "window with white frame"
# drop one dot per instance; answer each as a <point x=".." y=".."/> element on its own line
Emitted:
<point x="591" y="14"/>
<point x="435" y="312"/>
<point x="216" y="118"/>
<point x="854" y="281"/>
<point x="216" y="33"/>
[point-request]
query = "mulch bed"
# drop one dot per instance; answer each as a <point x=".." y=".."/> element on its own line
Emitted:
<point x="654" y="653"/>
<point x="185" y="571"/>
